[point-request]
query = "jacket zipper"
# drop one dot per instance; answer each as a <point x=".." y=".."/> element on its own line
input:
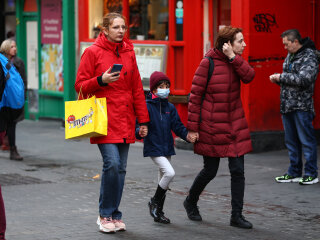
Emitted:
<point x="117" y="50"/>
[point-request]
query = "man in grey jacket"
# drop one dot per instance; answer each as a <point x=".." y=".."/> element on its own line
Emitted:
<point x="300" y="71"/>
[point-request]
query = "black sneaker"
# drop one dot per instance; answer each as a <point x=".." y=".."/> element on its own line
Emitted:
<point x="239" y="221"/>
<point x="307" y="180"/>
<point x="286" y="178"/>
<point x="192" y="211"/>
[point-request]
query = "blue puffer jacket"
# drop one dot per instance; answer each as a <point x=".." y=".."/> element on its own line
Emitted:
<point x="163" y="118"/>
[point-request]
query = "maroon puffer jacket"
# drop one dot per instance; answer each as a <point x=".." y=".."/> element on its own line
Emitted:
<point x="223" y="130"/>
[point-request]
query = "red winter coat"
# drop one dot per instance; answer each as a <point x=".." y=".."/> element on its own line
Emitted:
<point x="223" y="131"/>
<point x="125" y="97"/>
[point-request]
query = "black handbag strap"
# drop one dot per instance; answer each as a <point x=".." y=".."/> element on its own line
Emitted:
<point x="210" y="72"/>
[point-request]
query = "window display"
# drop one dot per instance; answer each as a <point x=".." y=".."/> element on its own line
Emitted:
<point x="148" y="19"/>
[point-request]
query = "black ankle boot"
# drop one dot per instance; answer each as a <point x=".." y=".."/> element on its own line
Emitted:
<point x="192" y="211"/>
<point x="162" y="218"/>
<point x="238" y="220"/>
<point x="14" y="155"/>
<point x="154" y="208"/>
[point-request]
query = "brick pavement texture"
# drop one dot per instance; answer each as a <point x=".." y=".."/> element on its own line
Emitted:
<point x="63" y="202"/>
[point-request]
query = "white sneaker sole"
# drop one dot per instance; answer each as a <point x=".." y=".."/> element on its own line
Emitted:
<point x="311" y="182"/>
<point x="120" y="229"/>
<point x="289" y="180"/>
<point x="102" y="229"/>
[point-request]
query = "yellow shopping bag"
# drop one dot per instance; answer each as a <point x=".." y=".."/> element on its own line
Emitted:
<point x="86" y="118"/>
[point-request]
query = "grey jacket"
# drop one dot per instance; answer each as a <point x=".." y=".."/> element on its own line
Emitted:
<point x="300" y="71"/>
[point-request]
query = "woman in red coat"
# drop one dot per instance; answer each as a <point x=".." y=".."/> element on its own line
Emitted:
<point x="125" y="103"/>
<point x="223" y="130"/>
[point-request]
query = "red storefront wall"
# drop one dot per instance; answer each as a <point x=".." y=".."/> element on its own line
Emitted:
<point x="263" y="22"/>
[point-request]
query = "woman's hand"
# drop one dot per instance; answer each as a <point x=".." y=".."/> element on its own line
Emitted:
<point x="193" y="136"/>
<point x="108" y="77"/>
<point x="227" y="50"/>
<point x="274" y="78"/>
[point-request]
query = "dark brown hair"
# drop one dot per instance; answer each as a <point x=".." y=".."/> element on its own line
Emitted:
<point x="292" y="34"/>
<point x="109" y="17"/>
<point x="226" y="34"/>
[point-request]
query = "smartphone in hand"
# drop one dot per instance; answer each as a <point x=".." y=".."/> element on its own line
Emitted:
<point x="116" y="68"/>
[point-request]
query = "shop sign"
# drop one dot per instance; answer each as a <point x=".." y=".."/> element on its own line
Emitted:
<point x="179" y="13"/>
<point x="50" y="22"/>
<point x="150" y="58"/>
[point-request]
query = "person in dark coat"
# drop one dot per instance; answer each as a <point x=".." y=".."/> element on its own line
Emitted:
<point x="2" y="217"/>
<point x="297" y="83"/>
<point x="158" y="144"/>
<point x="9" y="117"/>
<point x="223" y="130"/>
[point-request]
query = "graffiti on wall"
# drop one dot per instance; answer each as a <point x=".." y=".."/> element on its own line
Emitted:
<point x="264" y="22"/>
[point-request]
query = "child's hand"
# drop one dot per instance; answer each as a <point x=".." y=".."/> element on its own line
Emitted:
<point x="192" y="137"/>
<point x="143" y="131"/>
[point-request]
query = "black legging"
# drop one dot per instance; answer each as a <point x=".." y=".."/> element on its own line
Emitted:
<point x="209" y="171"/>
<point x="11" y="133"/>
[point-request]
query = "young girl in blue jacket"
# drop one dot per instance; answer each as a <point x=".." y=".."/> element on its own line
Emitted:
<point x="158" y="144"/>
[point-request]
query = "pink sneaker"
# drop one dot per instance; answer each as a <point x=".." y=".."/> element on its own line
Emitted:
<point x="119" y="225"/>
<point x="106" y="224"/>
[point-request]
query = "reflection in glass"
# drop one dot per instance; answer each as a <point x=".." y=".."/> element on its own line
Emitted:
<point x="112" y="6"/>
<point x="148" y="19"/>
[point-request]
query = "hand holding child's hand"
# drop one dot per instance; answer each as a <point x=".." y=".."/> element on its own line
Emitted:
<point x="143" y="131"/>
<point x="192" y="137"/>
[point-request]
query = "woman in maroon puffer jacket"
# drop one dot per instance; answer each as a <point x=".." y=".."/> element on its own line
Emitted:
<point x="222" y="129"/>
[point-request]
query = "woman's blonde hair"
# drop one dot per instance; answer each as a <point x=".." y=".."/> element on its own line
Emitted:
<point x="109" y="17"/>
<point x="6" y="46"/>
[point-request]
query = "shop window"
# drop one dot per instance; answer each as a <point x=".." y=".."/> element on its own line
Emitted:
<point x="148" y="19"/>
<point x="10" y="6"/>
<point x="97" y="9"/>
<point x="9" y="18"/>
<point x="221" y="15"/>
<point x="30" y="6"/>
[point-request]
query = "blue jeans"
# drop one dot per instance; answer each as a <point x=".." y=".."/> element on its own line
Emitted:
<point x="112" y="181"/>
<point x="300" y="138"/>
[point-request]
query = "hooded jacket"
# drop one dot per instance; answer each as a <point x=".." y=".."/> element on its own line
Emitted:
<point x="163" y="118"/>
<point x="7" y="114"/>
<point x="125" y="97"/>
<point x="300" y="71"/>
<point x="223" y="129"/>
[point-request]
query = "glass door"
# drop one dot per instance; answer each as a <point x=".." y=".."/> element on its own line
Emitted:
<point x="221" y="12"/>
<point x="32" y="65"/>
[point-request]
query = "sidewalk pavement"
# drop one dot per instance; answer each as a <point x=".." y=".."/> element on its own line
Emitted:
<point x="53" y="194"/>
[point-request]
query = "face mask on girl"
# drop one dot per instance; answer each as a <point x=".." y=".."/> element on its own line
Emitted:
<point x="163" y="92"/>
